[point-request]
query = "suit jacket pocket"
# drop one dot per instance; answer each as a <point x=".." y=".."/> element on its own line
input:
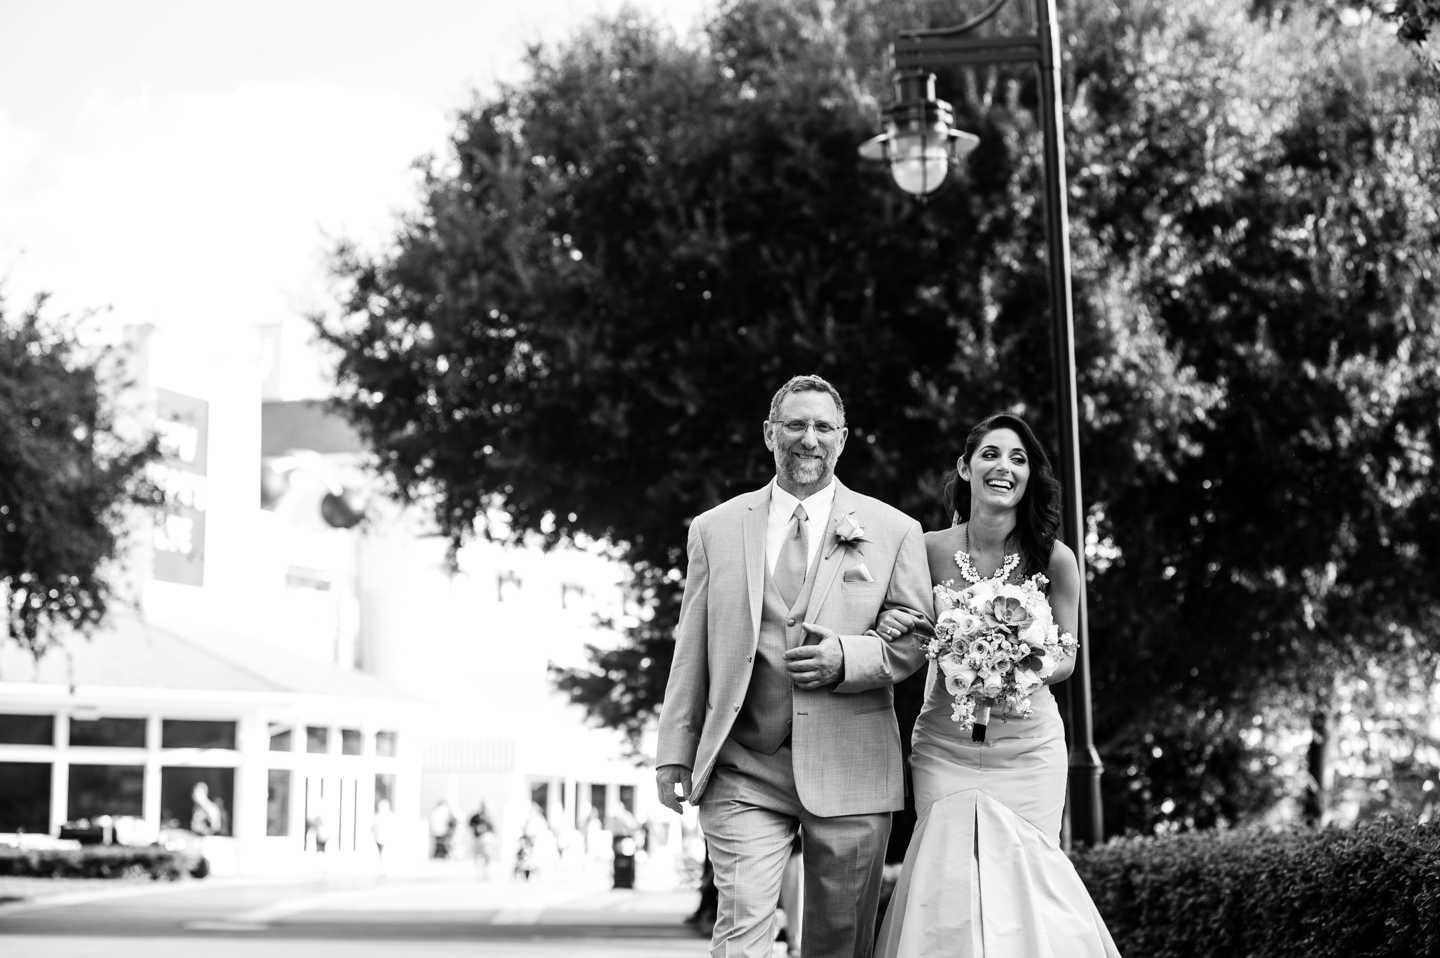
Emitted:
<point x="874" y="708"/>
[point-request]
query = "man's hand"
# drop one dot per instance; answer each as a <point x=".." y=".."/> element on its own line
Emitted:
<point x="666" y="778"/>
<point x="816" y="666"/>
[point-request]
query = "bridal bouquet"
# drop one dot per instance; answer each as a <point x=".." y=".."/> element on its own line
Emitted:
<point x="995" y="643"/>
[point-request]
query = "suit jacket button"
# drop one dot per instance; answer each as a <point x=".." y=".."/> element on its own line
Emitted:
<point x="737" y="708"/>
<point x="789" y="621"/>
<point x="749" y="658"/>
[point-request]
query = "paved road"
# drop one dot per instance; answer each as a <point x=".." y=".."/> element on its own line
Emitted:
<point x="354" y="917"/>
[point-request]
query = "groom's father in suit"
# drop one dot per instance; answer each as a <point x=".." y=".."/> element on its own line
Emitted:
<point x="779" y="713"/>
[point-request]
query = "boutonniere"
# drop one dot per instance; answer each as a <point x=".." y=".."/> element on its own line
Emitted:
<point x="848" y="532"/>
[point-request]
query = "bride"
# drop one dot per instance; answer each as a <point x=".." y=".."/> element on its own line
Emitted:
<point x="985" y="875"/>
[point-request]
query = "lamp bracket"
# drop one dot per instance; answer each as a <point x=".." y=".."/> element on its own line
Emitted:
<point x="912" y="53"/>
<point x="960" y="28"/>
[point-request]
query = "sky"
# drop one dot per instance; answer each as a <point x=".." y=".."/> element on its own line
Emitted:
<point x="187" y="164"/>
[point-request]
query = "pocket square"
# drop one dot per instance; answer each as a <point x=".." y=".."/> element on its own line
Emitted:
<point x="858" y="573"/>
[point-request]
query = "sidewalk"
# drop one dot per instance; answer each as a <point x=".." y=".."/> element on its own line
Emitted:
<point x="435" y="897"/>
<point x="433" y="912"/>
<point x="82" y="947"/>
<point x="502" y="891"/>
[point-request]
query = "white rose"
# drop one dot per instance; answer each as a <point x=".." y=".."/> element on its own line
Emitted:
<point x="983" y="591"/>
<point x="1009" y="591"/>
<point x="959" y="682"/>
<point x="1026" y="680"/>
<point x="1034" y="634"/>
<point x="958" y="674"/>
<point x="967" y="625"/>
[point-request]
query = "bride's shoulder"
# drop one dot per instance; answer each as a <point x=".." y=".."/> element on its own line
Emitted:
<point x="1062" y="563"/>
<point x="952" y="534"/>
<point x="944" y="542"/>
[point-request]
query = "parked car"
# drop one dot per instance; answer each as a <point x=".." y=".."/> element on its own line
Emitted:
<point x="188" y="847"/>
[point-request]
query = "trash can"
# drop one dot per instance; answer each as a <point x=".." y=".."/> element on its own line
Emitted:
<point x="624" y="862"/>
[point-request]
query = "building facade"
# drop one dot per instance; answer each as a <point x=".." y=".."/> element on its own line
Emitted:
<point x="306" y="649"/>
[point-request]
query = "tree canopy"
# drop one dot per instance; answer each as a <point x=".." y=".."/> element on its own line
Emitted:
<point x="1416" y="19"/>
<point x="67" y="478"/>
<point x="582" y="322"/>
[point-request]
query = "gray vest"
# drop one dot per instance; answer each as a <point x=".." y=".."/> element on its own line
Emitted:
<point x="763" y="724"/>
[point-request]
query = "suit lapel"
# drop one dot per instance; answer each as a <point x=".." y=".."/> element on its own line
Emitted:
<point x="754" y="525"/>
<point x="830" y="555"/>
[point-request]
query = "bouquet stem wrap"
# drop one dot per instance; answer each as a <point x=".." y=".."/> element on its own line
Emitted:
<point x="982" y="719"/>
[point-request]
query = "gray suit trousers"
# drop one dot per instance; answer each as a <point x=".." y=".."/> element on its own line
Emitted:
<point x="749" y="814"/>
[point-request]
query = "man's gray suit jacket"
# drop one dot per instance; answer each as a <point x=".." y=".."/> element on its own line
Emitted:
<point x="845" y="740"/>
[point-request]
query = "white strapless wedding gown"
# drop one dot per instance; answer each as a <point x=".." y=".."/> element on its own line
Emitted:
<point x="985" y="876"/>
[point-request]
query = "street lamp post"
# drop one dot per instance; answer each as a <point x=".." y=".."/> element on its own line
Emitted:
<point x="920" y="146"/>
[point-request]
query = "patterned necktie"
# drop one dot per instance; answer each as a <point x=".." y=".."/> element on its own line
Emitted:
<point x="794" y="557"/>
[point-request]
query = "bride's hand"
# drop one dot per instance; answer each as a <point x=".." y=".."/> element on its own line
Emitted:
<point x="894" y="624"/>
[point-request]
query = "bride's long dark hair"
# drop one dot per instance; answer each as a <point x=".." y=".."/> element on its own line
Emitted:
<point x="1037" y="517"/>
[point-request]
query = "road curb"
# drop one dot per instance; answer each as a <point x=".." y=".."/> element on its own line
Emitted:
<point x="125" y="889"/>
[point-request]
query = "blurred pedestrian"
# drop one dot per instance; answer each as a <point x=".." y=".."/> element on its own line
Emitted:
<point x="442" y="829"/>
<point x="320" y="828"/>
<point x="382" y="829"/>
<point x="205" y="816"/>
<point x="623" y="829"/>
<point x="525" y="858"/>
<point x="703" y="917"/>
<point x="622" y="823"/>
<point x="593" y="828"/>
<point x="482" y="841"/>
<point x="570" y="845"/>
<point x="540" y="850"/>
<point x="792" y="897"/>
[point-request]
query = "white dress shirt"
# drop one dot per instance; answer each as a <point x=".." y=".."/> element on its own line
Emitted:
<point x="782" y="509"/>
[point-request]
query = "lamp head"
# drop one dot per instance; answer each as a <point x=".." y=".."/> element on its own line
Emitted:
<point x="919" y="142"/>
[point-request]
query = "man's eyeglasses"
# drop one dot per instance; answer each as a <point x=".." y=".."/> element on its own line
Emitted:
<point x="795" y="428"/>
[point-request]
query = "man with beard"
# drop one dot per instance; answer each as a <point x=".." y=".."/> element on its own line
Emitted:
<point x="779" y="712"/>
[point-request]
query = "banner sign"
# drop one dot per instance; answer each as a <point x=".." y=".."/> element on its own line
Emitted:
<point x="183" y="424"/>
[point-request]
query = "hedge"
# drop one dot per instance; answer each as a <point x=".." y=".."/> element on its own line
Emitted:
<point x="1363" y="892"/>
<point x="93" y="861"/>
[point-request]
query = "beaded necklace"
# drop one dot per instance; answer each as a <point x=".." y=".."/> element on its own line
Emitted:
<point x="968" y="571"/>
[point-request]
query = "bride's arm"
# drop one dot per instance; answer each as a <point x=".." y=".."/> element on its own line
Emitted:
<point x="1064" y="575"/>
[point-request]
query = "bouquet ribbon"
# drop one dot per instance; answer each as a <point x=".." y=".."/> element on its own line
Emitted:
<point x="982" y="719"/>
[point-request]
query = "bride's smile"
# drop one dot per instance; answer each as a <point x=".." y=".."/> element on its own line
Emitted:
<point x="999" y="469"/>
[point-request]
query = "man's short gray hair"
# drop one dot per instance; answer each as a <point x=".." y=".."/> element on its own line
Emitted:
<point x="806" y="384"/>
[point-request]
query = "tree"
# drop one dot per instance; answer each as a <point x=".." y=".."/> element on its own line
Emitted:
<point x="582" y="323"/>
<point x="67" y="479"/>
<point x="1279" y="220"/>
<point x="1415" y="19"/>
